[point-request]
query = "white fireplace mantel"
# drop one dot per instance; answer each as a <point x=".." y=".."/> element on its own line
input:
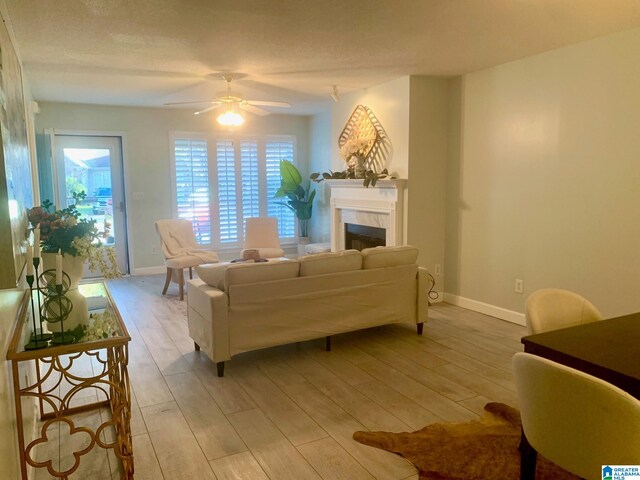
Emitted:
<point x="380" y="206"/>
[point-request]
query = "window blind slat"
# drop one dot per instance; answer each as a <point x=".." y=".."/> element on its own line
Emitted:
<point x="192" y="187"/>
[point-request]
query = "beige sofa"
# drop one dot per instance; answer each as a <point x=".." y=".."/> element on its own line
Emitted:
<point x="242" y="307"/>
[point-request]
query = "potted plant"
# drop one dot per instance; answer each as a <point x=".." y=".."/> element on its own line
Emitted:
<point x="298" y="198"/>
<point x="78" y="239"/>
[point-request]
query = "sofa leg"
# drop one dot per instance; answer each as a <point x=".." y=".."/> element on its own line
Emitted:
<point x="167" y="281"/>
<point x="220" y="367"/>
<point x="327" y="344"/>
<point x="190" y="273"/>
<point x="420" y="326"/>
<point x="196" y="346"/>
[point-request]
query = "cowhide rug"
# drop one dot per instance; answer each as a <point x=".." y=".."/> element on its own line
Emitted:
<point x="485" y="449"/>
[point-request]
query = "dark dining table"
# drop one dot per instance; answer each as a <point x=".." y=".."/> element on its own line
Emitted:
<point x="608" y="349"/>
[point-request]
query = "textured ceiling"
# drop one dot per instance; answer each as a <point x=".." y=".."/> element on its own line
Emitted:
<point x="147" y="52"/>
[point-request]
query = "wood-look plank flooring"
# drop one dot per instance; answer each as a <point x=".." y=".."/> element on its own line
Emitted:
<point x="289" y="412"/>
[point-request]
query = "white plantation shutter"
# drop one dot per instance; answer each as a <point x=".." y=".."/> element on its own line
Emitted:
<point x="276" y="151"/>
<point x="245" y="174"/>
<point x="227" y="201"/>
<point x="192" y="185"/>
<point x="250" y="189"/>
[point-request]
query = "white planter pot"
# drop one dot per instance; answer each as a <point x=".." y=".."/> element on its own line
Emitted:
<point x="302" y="243"/>
<point x="72" y="266"/>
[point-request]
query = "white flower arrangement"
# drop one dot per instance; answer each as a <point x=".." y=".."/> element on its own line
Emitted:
<point x="356" y="147"/>
<point x="100" y="258"/>
<point x="100" y="326"/>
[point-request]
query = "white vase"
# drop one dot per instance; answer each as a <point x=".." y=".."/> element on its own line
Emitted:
<point x="72" y="266"/>
<point x="79" y="313"/>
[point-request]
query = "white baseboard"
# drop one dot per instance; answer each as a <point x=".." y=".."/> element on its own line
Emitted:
<point x="149" y="270"/>
<point x="487" y="309"/>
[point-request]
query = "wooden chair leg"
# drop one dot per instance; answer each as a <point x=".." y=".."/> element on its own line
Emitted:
<point x="420" y="326"/>
<point x="190" y="273"/>
<point x="528" y="459"/>
<point x="167" y="281"/>
<point x="181" y="282"/>
<point x="220" y="367"/>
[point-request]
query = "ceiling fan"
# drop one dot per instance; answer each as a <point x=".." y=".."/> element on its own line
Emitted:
<point x="230" y="102"/>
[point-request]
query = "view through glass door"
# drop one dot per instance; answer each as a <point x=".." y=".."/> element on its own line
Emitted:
<point x="93" y="164"/>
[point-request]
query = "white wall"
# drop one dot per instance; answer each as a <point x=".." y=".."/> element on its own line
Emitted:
<point x="320" y="151"/>
<point x="428" y="153"/>
<point x="548" y="178"/>
<point x="147" y="155"/>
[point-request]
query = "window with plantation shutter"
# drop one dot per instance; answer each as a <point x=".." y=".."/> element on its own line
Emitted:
<point x="227" y="199"/>
<point x="250" y="190"/>
<point x="244" y="173"/>
<point x="275" y="151"/>
<point x="192" y="185"/>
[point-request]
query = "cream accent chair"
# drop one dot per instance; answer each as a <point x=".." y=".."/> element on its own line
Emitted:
<point x="180" y="250"/>
<point x="552" y="308"/>
<point x="261" y="233"/>
<point x="577" y="421"/>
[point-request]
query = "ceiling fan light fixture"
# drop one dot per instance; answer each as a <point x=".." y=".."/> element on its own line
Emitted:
<point x="230" y="118"/>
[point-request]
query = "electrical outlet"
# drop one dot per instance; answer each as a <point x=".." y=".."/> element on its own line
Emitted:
<point x="519" y="285"/>
<point x="438" y="269"/>
<point x="154" y="249"/>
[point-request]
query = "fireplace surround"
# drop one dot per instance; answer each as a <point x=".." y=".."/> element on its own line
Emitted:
<point x="354" y="207"/>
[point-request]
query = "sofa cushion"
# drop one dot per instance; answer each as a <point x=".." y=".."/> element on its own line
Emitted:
<point x="213" y="274"/>
<point x="380" y="257"/>
<point x="332" y="262"/>
<point x="241" y="273"/>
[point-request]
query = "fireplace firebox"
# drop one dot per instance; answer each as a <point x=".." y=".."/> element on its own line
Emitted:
<point x="360" y="237"/>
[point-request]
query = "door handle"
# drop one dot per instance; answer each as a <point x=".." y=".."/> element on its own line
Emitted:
<point x="121" y="206"/>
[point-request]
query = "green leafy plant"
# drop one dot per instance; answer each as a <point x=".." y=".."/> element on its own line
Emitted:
<point x="299" y="199"/>
<point x="66" y="231"/>
<point x="370" y="177"/>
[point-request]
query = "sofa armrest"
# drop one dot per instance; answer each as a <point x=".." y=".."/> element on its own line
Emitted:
<point x="208" y="319"/>
<point x="425" y="283"/>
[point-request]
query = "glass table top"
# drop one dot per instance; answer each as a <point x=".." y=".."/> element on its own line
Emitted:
<point x="86" y="318"/>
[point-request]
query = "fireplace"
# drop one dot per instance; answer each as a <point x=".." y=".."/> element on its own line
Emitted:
<point x="360" y="237"/>
<point x="366" y="217"/>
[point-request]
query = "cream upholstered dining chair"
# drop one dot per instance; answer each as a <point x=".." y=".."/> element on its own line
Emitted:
<point x="577" y="421"/>
<point x="180" y="250"/>
<point x="552" y="308"/>
<point x="261" y="233"/>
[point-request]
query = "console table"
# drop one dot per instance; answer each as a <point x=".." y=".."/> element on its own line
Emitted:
<point x="82" y="393"/>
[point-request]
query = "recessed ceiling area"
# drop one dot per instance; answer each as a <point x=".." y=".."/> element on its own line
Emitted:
<point x="149" y="52"/>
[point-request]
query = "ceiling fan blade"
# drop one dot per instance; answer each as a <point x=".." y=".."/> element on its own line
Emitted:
<point x="192" y="103"/>
<point x="254" y="110"/>
<point x="208" y="109"/>
<point x="263" y="103"/>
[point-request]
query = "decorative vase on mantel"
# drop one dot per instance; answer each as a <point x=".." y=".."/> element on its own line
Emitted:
<point x="360" y="168"/>
<point x="72" y="266"/>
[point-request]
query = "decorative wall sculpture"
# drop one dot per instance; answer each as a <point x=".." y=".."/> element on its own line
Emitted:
<point x="363" y="127"/>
